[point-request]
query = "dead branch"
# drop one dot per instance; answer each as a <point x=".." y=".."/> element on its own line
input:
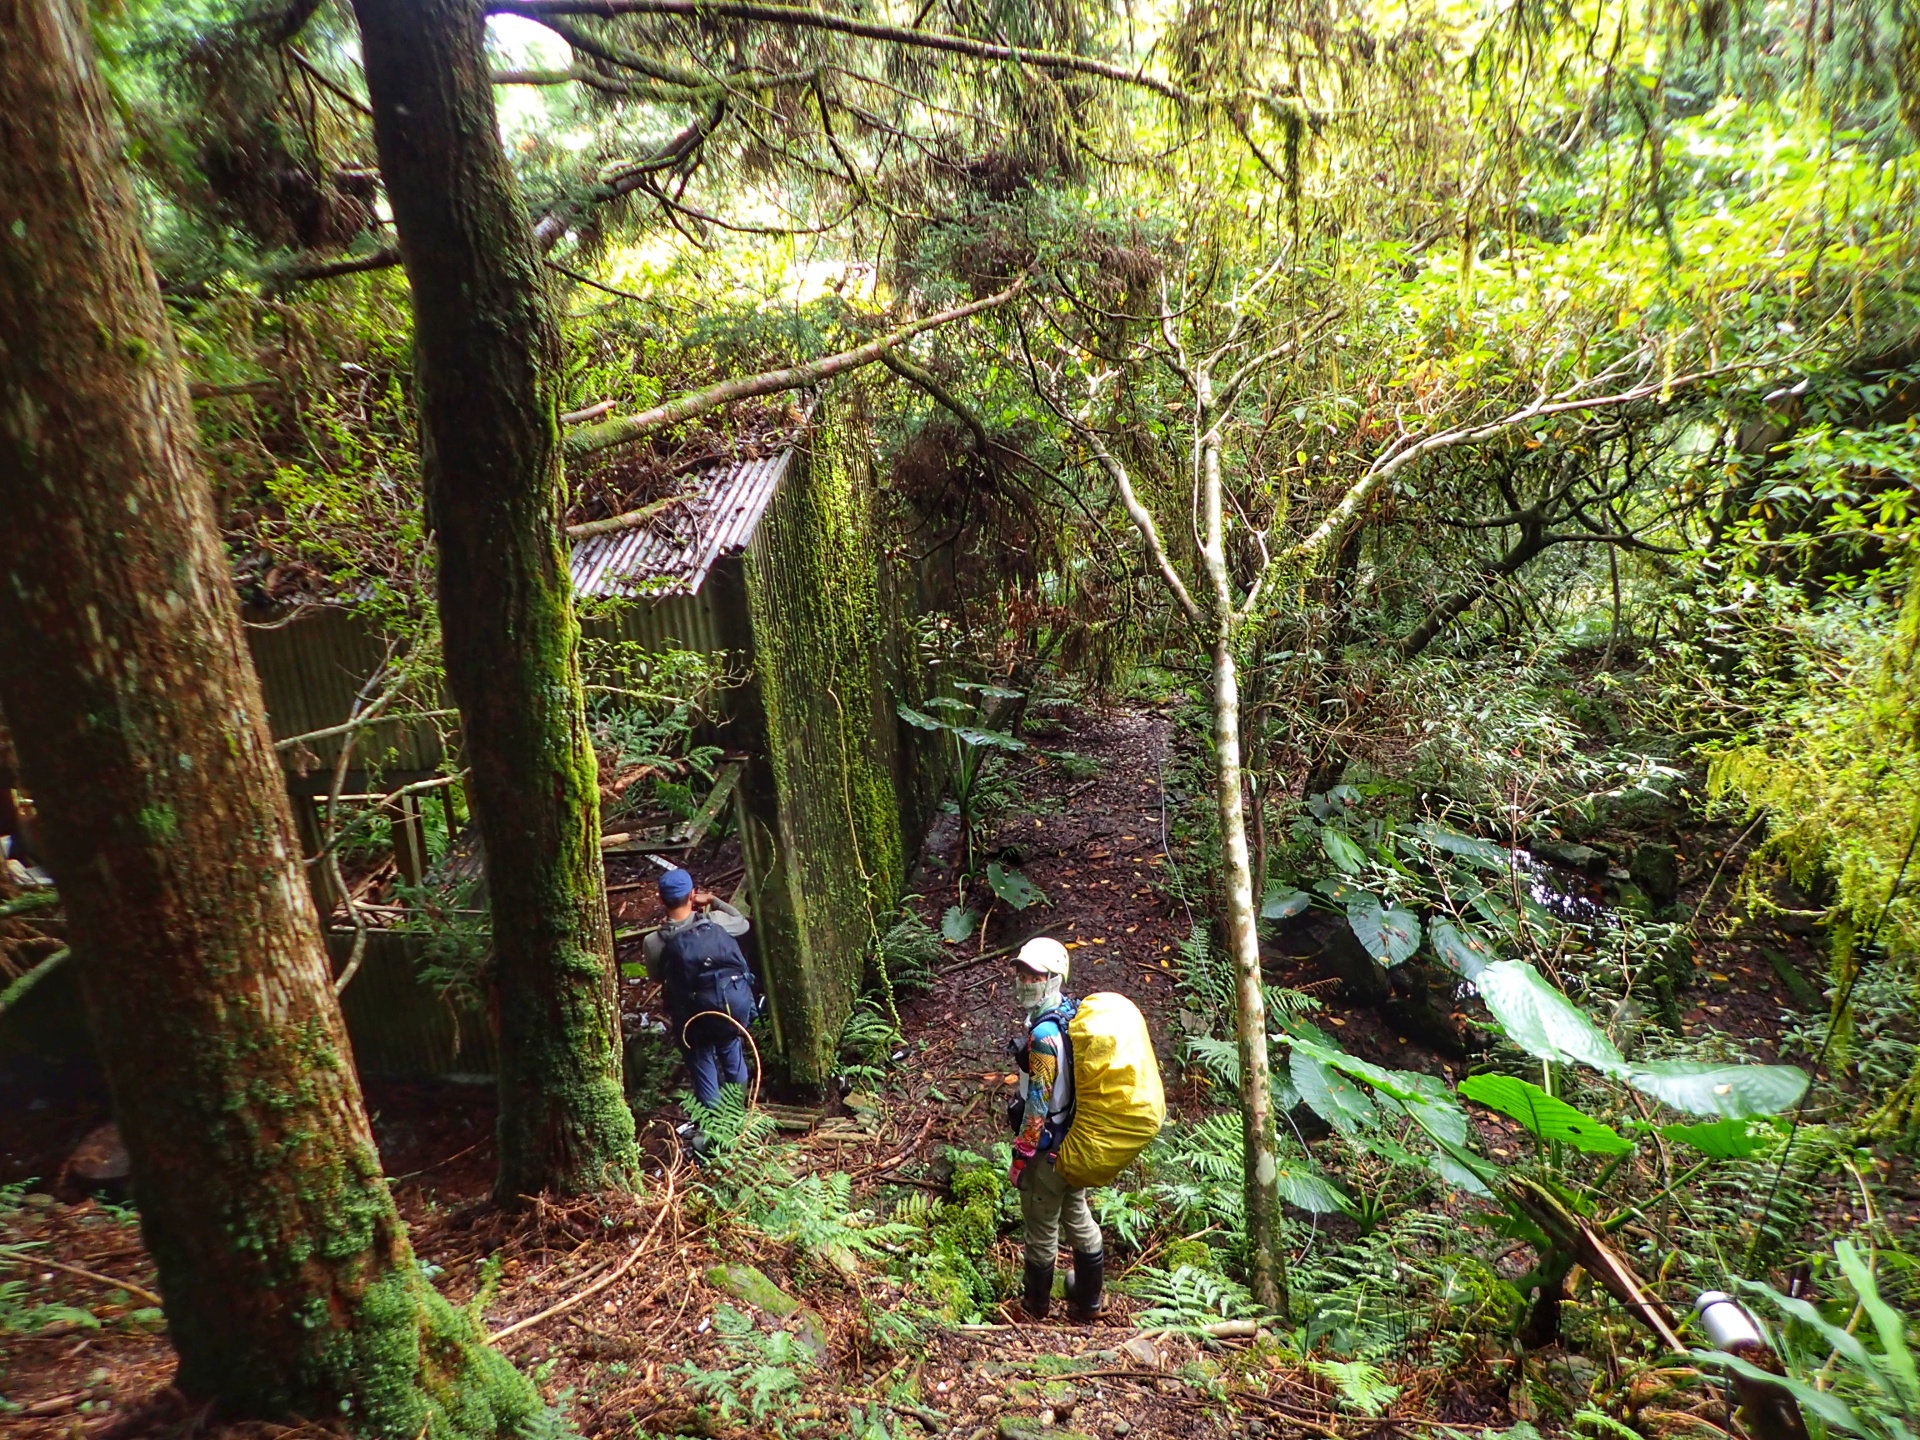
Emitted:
<point x="609" y="433"/>
<point x="640" y="1249"/>
<point x="631" y="520"/>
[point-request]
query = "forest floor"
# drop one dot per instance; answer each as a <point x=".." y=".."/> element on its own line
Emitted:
<point x="614" y="1305"/>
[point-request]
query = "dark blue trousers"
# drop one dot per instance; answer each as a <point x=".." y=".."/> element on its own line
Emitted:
<point x="713" y="1063"/>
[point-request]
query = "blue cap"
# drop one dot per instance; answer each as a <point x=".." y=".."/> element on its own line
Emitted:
<point x="675" y="886"/>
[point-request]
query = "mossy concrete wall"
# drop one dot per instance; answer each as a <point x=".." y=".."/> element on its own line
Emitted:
<point x="827" y="817"/>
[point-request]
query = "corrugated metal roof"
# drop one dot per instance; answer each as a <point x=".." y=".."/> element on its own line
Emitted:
<point x="672" y="555"/>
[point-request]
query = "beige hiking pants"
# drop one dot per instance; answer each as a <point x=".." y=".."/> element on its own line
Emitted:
<point x="1047" y="1204"/>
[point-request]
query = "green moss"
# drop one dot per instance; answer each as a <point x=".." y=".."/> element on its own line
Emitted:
<point x="822" y="642"/>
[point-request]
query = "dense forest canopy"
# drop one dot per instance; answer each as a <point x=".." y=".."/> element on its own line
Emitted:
<point x="1482" y="437"/>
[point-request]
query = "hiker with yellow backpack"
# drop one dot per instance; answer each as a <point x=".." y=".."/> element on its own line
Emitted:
<point x="1089" y="1102"/>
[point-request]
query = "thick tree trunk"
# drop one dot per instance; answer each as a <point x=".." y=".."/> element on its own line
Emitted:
<point x="487" y="356"/>
<point x="1267" y="1264"/>
<point x="289" y="1284"/>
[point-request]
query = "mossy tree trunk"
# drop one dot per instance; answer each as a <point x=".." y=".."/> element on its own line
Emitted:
<point x="487" y="359"/>
<point x="290" y="1287"/>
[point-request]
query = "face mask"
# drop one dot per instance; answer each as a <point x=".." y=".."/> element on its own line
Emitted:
<point x="1035" y="993"/>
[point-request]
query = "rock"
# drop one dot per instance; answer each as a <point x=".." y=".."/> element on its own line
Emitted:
<point x="864" y="1103"/>
<point x="1121" y="1427"/>
<point x="841" y="1259"/>
<point x="1142" y="1350"/>
<point x="810" y="1333"/>
<point x="101" y="1159"/>
<point x="1577" y="857"/>
<point x="1052" y="1394"/>
<point x="1655" y="868"/>
<point x="1257" y="1429"/>
<point x="751" y="1287"/>
<point x="1020" y="1427"/>
<point x="1574" y="1376"/>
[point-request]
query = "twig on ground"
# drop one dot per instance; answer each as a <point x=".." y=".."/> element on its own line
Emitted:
<point x="639" y="1249"/>
<point x="900" y="1159"/>
<point x="139" y="1292"/>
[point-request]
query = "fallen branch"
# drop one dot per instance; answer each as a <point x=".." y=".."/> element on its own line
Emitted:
<point x="608" y="433"/>
<point x="17" y="991"/>
<point x="31" y="901"/>
<point x="998" y="950"/>
<point x="640" y="1249"/>
<point x="139" y="1292"/>
<point x="631" y="520"/>
<point x="900" y="1159"/>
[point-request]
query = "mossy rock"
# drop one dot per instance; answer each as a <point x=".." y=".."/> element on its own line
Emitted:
<point x="1021" y="1427"/>
<point x="810" y="1333"/>
<point x="1054" y="1392"/>
<point x="751" y="1287"/>
<point x="1655" y="868"/>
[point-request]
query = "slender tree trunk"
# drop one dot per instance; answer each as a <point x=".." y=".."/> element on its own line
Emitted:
<point x="487" y="357"/>
<point x="1267" y="1265"/>
<point x="1267" y="1262"/>
<point x="289" y="1284"/>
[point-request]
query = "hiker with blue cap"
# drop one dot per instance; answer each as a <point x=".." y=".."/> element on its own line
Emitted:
<point x="705" y="982"/>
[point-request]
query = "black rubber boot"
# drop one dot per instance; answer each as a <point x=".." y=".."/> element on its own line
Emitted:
<point x="1039" y="1290"/>
<point x="1085" y="1284"/>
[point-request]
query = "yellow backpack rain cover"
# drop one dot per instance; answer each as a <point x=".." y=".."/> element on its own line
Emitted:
<point x="1119" y="1105"/>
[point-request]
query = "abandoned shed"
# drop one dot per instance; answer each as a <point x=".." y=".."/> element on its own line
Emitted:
<point x="774" y="560"/>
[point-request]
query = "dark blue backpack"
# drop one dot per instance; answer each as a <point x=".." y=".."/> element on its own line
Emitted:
<point x="703" y="968"/>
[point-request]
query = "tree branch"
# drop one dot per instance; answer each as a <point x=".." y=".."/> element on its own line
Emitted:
<point x="543" y="11"/>
<point x="909" y="370"/>
<point x="1404" y="450"/>
<point x="631" y="520"/>
<point x="772" y="382"/>
<point x="1143" y="521"/>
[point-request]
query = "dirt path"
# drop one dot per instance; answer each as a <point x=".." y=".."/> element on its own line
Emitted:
<point x="1096" y="848"/>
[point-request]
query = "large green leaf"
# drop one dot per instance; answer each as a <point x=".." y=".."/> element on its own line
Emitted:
<point x="1304" y="1186"/>
<point x="1282" y="902"/>
<point x="957" y="924"/>
<point x="1735" y="1091"/>
<point x="1432" y="1105"/>
<point x="1331" y="1095"/>
<point x="1423" y="1099"/>
<point x="1340" y="890"/>
<point x="1546" y="1116"/>
<point x="920" y="718"/>
<point x="999" y="739"/>
<point x="1343" y="852"/>
<point x="1461" y="950"/>
<point x="1483" y="853"/>
<point x="1721" y="1140"/>
<point x="1542" y="1021"/>
<point x="992" y="692"/>
<point x="1895" y="1355"/>
<point x="1464" y="1170"/>
<point x="1012" y="886"/>
<point x="1390" y="936"/>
